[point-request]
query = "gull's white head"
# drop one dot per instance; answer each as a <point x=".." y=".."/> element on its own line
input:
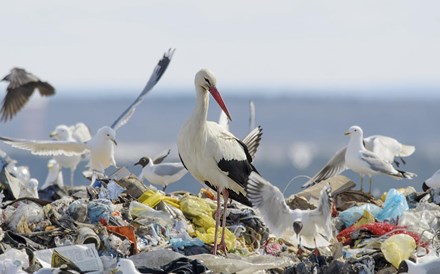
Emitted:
<point x="126" y="266"/>
<point x="206" y="81"/>
<point x="108" y="134"/>
<point x="354" y="131"/>
<point x="33" y="184"/>
<point x="61" y="133"/>
<point x="53" y="166"/>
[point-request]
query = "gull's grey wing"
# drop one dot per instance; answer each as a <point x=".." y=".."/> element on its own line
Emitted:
<point x="251" y="115"/>
<point x="335" y="166"/>
<point x="20" y="88"/>
<point x="322" y="214"/>
<point x="158" y="71"/>
<point x="252" y="140"/>
<point x="269" y="200"/>
<point x="376" y="163"/>
<point x="47" y="147"/>
<point x="166" y="169"/>
<point x="159" y="158"/>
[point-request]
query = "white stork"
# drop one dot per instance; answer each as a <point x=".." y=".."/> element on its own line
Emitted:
<point x="213" y="155"/>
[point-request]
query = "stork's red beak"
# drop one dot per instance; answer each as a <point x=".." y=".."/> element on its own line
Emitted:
<point x="214" y="92"/>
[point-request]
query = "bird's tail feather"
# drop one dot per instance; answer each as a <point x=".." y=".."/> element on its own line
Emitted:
<point x="404" y="174"/>
<point x="407" y="150"/>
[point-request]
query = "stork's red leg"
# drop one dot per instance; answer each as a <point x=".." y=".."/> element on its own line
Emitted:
<point x="222" y="245"/>
<point x="217" y="222"/>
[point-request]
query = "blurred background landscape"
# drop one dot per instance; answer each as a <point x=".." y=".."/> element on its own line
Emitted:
<point x="313" y="69"/>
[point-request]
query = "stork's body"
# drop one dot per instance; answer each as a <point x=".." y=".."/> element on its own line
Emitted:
<point x="212" y="154"/>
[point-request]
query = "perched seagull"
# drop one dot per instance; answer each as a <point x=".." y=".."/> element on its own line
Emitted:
<point x="101" y="145"/>
<point x="126" y="266"/>
<point x="429" y="267"/>
<point x="77" y="133"/>
<point x="312" y="227"/>
<point x="160" y="173"/>
<point x="385" y="147"/>
<point x="367" y="163"/>
<point x="21" y="86"/>
<point x="432" y="182"/>
<point x="54" y="175"/>
<point x="213" y="155"/>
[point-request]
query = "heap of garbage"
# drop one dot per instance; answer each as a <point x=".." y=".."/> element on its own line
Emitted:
<point x="119" y="224"/>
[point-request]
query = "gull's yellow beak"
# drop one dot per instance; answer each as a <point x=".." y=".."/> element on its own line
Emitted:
<point x="53" y="134"/>
<point x="347" y="133"/>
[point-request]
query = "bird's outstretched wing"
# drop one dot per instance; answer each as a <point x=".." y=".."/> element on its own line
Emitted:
<point x="252" y="140"/>
<point x="159" y="158"/>
<point x="322" y="214"/>
<point x="158" y="71"/>
<point x="251" y="115"/>
<point x="20" y="88"/>
<point x="81" y="132"/>
<point x="223" y="120"/>
<point x="47" y="147"/>
<point x="269" y="200"/>
<point x="335" y="166"/>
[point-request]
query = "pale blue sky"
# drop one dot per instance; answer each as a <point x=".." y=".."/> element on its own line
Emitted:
<point x="252" y="45"/>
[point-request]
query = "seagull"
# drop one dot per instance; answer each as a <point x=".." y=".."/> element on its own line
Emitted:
<point x="76" y="133"/>
<point x="213" y="155"/>
<point x="387" y="148"/>
<point x="101" y="146"/>
<point x="312" y="227"/>
<point x="160" y="173"/>
<point x="432" y="182"/>
<point x="126" y="266"/>
<point x="21" y="86"/>
<point x="429" y="267"/>
<point x="54" y="175"/>
<point x="367" y="163"/>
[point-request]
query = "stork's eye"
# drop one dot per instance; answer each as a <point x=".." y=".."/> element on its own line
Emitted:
<point x="207" y="81"/>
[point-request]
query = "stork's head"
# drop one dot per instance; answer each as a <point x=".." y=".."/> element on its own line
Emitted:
<point x="354" y="131"/>
<point x="108" y="134"/>
<point x="61" y="133"/>
<point x="144" y="161"/>
<point x="206" y="81"/>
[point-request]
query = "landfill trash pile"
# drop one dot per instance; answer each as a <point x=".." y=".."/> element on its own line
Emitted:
<point x="119" y="224"/>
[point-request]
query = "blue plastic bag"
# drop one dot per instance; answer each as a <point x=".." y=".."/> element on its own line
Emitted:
<point x="351" y="215"/>
<point x="395" y="205"/>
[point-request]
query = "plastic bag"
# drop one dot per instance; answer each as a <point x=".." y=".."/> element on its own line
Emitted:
<point x="13" y="261"/>
<point x="395" y="205"/>
<point x="31" y="212"/>
<point x="398" y="248"/>
<point x="352" y="215"/>
<point x="137" y="210"/>
<point x="99" y="209"/>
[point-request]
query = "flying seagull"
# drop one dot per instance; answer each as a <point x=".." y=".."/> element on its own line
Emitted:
<point x="21" y="86"/>
<point x="387" y="148"/>
<point x="312" y="227"/>
<point x="101" y="145"/>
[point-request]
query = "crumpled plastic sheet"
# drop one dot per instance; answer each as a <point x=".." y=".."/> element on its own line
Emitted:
<point x="111" y="192"/>
<point x="395" y="205"/>
<point x="242" y="265"/>
<point x="13" y="261"/>
<point x="99" y="209"/>
<point x="424" y="219"/>
<point x="30" y="212"/>
<point x="140" y="210"/>
<point x="398" y="248"/>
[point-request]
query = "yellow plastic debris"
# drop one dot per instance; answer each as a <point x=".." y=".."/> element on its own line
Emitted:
<point x="154" y="197"/>
<point x="200" y="212"/>
<point x="367" y="218"/>
<point x="397" y="248"/>
<point x="208" y="237"/>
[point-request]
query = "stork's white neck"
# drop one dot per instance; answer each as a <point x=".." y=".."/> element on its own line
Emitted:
<point x="200" y="112"/>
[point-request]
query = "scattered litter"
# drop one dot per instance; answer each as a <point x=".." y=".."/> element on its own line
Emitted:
<point x="120" y="224"/>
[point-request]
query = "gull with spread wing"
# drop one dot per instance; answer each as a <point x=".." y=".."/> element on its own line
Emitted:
<point x="386" y="148"/>
<point x="312" y="227"/>
<point x="21" y="87"/>
<point x="101" y="146"/>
